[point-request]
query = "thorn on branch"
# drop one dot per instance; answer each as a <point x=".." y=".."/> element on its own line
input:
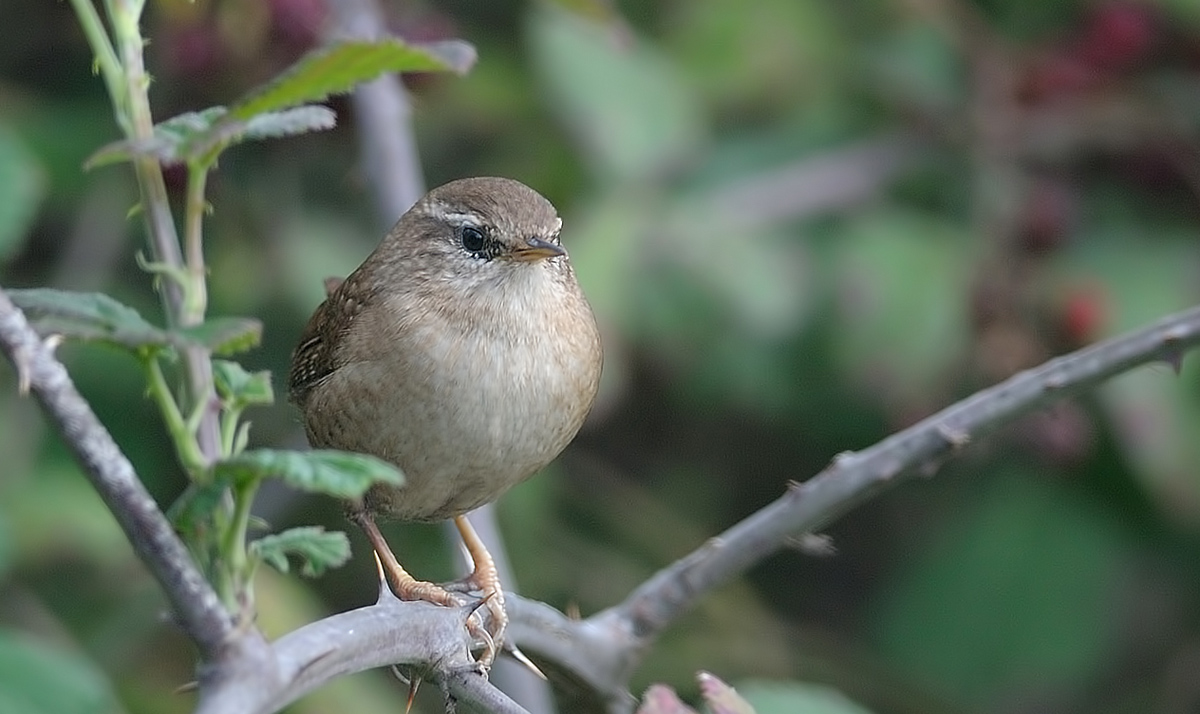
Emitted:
<point x="819" y="545"/>
<point x="1054" y="382"/>
<point x="842" y="459"/>
<point x="956" y="438"/>
<point x="1174" y="358"/>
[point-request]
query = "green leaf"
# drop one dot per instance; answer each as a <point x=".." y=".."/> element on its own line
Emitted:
<point x="22" y="185"/>
<point x="96" y="316"/>
<point x="338" y="67"/>
<point x="793" y="697"/>
<point x="195" y="135"/>
<point x="289" y="122"/>
<point x="337" y="473"/>
<point x="222" y="335"/>
<point x="166" y="144"/>
<point x="897" y="332"/>
<point x="624" y="99"/>
<point x="272" y="110"/>
<point x="242" y="388"/>
<point x="36" y="679"/>
<point x="318" y="549"/>
<point x="193" y="509"/>
<point x="88" y="316"/>
<point x="1015" y="591"/>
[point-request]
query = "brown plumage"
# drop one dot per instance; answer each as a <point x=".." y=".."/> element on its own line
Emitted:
<point x="462" y="350"/>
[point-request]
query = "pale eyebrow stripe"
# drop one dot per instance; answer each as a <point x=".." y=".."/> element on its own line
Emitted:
<point x="439" y="211"/>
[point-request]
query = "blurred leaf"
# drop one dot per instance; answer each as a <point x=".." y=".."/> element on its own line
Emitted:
<point x="193" y="508"/>
<point x="768" y="58"/>
<point x="35" y="679"/>
<point x="193" y="135"/>
<point x="918" y="66"/>
<point x="1156" y="420"/>
<point x="759" y="276"/>
<point x="1017" y="589"/>
<point x="22" y="185"/>
<point x="336" y="473"/>
<point x="596" y="10"/>
<point x="6" y="545"/>
<point x="223" y="335"/>
<point x="317" y="549"/>
<point x="234" y="384"/>
<point x="899" y="281"/>
<point x="620" y="97"/>
<point x="797" y="698"/>
<point x="338" y="67"/>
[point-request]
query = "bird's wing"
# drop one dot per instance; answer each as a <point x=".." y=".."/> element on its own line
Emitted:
<point x="317" y="355"/>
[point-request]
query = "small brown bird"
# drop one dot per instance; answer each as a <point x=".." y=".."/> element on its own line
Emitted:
<point x="463" y="351"/>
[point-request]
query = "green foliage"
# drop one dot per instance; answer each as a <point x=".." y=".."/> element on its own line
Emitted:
<point x="902" y="332"/>
<point x="317" y="549"/>
<point x="240" y="388"/>
<point x="192" y="512"/>
<point x="36" y="679"/>
<point x="632" y="113"/>
<point x="195" y="135"/>
<point x="1021" y="584"/>
<point x="797" y="698"/>
<point x="338" y="67"/>
<point x="334" y="473"/>
<point x="22" y="186"/>
<point x="98" y="317"/>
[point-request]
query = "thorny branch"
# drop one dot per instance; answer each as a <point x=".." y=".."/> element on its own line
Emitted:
<point x="603" y="650"/>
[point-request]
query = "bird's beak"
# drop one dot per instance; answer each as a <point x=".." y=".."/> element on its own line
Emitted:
<point x="537" y="249"/>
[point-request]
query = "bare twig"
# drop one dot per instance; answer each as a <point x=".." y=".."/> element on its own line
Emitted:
<point x="381" y="108"/>
<point x="825" y="182"/>
<point x="193" y="600"/>
<point x="604" y="649"/>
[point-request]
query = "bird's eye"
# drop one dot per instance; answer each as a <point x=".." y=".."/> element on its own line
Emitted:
<point x="472" y="238"/>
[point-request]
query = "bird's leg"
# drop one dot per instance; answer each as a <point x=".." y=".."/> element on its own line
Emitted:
<point x="485" y="578"/>
<point x="406" y="587"/>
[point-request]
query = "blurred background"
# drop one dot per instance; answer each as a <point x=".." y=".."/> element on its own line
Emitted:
<point x="803" y="225"/>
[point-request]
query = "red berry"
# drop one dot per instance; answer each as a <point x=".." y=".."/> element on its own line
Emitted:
<point x="1118" y="34"/>
<point x="1084" y="314"/>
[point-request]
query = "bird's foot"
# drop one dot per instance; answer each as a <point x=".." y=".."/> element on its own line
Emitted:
<point x="405" y="587"/>
<point x="485" y="581"/>
<point x="488" y="620"/>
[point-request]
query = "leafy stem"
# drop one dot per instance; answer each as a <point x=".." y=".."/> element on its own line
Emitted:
<point x="105" y="56"/>
<point x="196" y="296"/>
<point x="237" y="567"/>
<point x="183" y="436"/>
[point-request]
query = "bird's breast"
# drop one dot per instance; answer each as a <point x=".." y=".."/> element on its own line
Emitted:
<point x="466" y="408"/>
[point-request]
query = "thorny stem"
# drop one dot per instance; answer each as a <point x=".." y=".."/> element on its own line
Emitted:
<point x="196" y="302"/>
<point x="185" y="440"/>
<point x="236" y="573"/>
<point x="106" y="58"/>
